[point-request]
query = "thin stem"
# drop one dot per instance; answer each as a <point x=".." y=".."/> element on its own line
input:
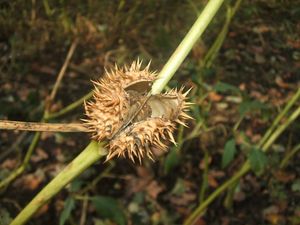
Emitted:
<point x="70" y="107"/>
<point x="244" y="169"/>
<point x="191" y="219"/>
<point x="13" y="175"/>
<point x="92" y="153"/>
<point x="186" y="45"/>
<point x="204" y="184"/>
<point x="38" y="126"/>
<point x="280" y="129"/>
<point x="288" y="156"/>
<point x="280" y="116"/>
<point x="63" y="70"/>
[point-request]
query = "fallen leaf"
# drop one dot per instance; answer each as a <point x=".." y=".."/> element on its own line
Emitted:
<point x="281" y="83"/>
<point x="9" y="164"/>
<point x="275" y="219"/>
<point x="40" y="154"/>
<point x="30" y="182"/>
<point x="200" y="221"/>
<point x="42" y="210"/>
<point x="183" y="200"/>
<point x="284" y="176"/>
<point x="214" y="97"/>
<point x="153" y="189"/>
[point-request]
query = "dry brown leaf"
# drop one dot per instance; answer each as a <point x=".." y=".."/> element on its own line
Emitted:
<point x="9" y="164"/>
<point x="44" y="209"/>
<point x="275" y="219"/>
<point x="154" y="188"/>
<point x="283" y="176"/>
<point x="281" y="83"/>
<point x="214" y="97"/>
<point x="30" y="182"/>
<point x="40" y="154"/>
<point x="183" y="200"/>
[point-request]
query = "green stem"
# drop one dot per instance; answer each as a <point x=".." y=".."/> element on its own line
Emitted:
<point x="244" y="169"/>
<point x="204" y="184"/>
<point x="70" y="107"/>
<point x="288" y="156"/>
<point x="199" y="210"/>
<point x="280" y="116"/>
<point x="24" y="164"/>
<point x="92" y="153"/>
<point x="186" y="45"/>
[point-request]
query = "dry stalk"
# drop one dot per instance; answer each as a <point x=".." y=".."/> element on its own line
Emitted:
<point x="37" y="126"/>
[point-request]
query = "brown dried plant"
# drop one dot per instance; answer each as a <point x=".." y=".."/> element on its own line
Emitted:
<point x="133" y="122"/>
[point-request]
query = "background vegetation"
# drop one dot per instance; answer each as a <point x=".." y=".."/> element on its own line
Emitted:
<point x="243" y="72"/>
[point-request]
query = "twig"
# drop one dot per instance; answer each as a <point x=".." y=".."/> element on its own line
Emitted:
<point x="63" y="70"/>
<point x="37" y="126"/>
<point x="83" y="211"/>
<point x="14" y="174"/>
<point x="14" y="146"/>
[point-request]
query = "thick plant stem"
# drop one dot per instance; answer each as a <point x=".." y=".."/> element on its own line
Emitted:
<point x="91" y="154"/>
<point x="244" y="169"/>
<point x="186" y="45"/>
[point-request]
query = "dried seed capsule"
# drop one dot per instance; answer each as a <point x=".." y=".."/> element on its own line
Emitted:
<point x="134" y="124"/>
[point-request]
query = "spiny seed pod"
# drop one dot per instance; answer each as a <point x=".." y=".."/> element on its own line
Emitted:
<point x="134" y="123"/>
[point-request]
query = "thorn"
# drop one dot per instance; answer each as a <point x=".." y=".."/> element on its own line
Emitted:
<point x="186" y="116"/>
<point x="180" y="122"/>
<point x="172" y="138"/>
<point x="187" y="92"/>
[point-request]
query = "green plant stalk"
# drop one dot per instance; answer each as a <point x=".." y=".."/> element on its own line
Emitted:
<point x="244" y="169"/>
<point x="275" y="123"/>
<point x="186" y="45"/>
<point x="280" y="116"/>
<point x="204" y="184"/>
<point x="215" y="48"/>
<point x="288" y="156"/>
<point x="24" y="164"/>
<point x="70" y="107"/>
<point x="91" y="154"/>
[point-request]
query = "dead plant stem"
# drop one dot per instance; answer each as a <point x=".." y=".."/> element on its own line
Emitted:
<point x="63" y="70"/>
<point x="38" y="126"/>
